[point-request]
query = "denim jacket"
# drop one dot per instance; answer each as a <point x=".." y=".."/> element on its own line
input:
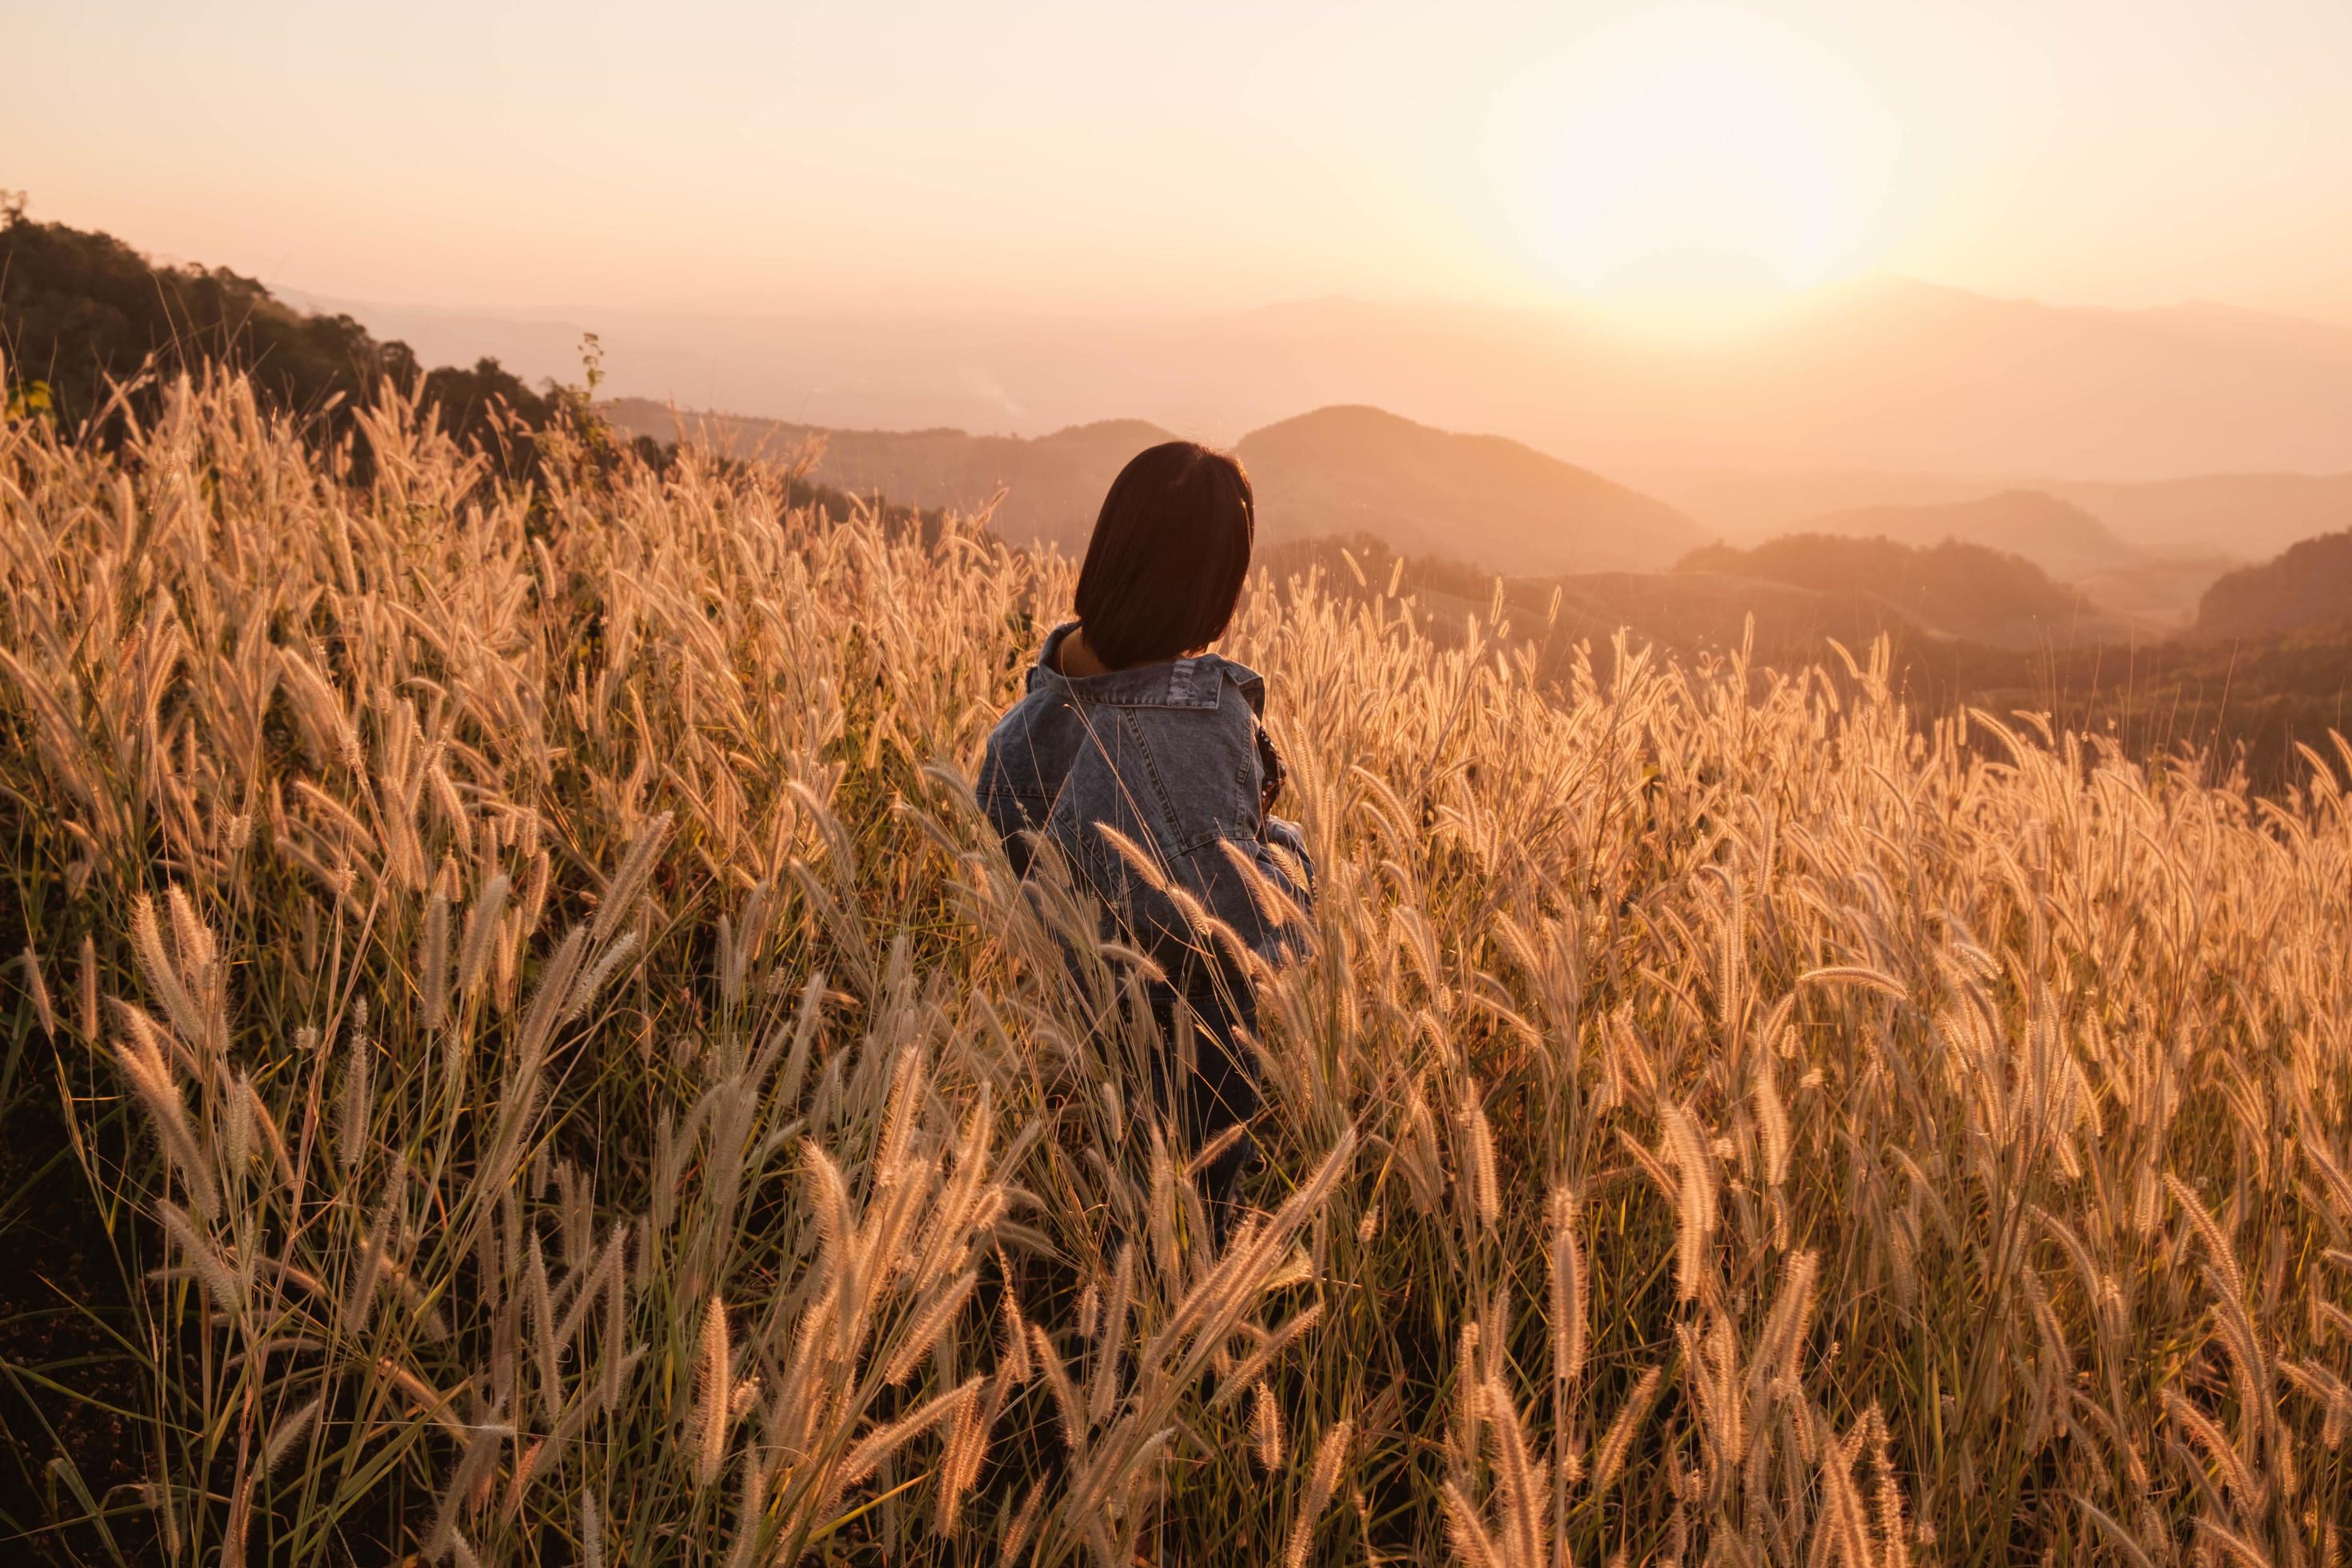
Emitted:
<point x="1165" y="754"/>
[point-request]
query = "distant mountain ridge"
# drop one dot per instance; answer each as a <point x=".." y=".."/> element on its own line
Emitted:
<point x="1493" y="502"/>
<point x="1503" y="507"/>
<point x="1885" y="373"/>
<point x="2153" y="589"/>
<point x="75" y="306"/>
<point x="2248" y="515"/>
<point x="1488" y="500"/>
<point x="1050" y="486"/>
<point x="1948" y="589"/>
<point x="2058" y="536"/>
<point x="2236" y="517"/>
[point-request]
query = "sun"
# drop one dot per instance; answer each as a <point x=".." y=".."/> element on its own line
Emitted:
<point x="1688" y="177"/>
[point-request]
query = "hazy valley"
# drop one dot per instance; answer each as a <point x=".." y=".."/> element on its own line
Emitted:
<point x="2084" y="565"/>
<point x="2140" y="554"/>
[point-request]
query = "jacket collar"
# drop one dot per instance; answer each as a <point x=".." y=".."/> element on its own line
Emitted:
<point x="1196" y="682"/>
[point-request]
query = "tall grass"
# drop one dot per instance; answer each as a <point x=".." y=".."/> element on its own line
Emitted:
<point x="589" y="1089"/>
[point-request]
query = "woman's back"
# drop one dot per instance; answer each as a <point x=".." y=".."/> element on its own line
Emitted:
<point x="1138" y="758"/>
<point x="1164" y="756"/>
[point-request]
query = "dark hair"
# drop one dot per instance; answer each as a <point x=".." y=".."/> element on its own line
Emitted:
<point x="1169" y="553"/>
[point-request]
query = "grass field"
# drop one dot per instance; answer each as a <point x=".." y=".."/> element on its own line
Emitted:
<point x="562" y="1074"/>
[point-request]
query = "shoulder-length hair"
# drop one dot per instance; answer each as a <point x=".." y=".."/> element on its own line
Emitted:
<point x="1169" y="553"/>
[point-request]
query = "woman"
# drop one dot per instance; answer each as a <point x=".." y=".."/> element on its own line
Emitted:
<point x="1133" y="730"/>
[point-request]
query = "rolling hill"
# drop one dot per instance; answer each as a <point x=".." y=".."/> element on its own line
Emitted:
<point x="1949" y="589"/>
<point x="1694" y="612"/>
<point x="1050" y="486"/>
<point x="2307" y="587"/>
<point x="2154" y="589"/>
<point x="2061" y="538"/>
<point x="1492" y="502"/>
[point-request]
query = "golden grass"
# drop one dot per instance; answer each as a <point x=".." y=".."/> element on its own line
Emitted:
<point x="598" y="1095"/>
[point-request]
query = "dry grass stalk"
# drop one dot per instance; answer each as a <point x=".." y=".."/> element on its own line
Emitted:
<point x="576" y="918"/>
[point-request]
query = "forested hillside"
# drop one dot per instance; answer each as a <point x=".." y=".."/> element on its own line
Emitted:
<point x="2307" y="588"/>
<point x="1482" y="498"/>
<point x="89" y="328"/>
<point x="1949" y="588"/>
<point x="92" y="332"/>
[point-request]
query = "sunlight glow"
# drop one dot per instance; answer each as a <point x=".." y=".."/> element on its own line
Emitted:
<point x="1701" y="159"/>
<point x="1688" y="174"/>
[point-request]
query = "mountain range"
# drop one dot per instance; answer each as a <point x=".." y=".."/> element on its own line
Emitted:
<point x="1488" y="502"/>
<point x="2151" y="588"/>
<point x="1945" y="588"/>
<point x="2268" y="668"/>
<point x="2227" y="517"/>
<point x="1886" y="376"/>
<point x="2062" y="538"/>
<point x="1960" y="572"/>
<point x="1500" y="506"/>
<point x="1909" y="373"/>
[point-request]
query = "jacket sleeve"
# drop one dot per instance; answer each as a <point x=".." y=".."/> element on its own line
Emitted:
<point x="1224" y="875"/>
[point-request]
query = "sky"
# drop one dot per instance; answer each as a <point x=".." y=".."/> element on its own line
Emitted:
<point x="1670" y="162"/>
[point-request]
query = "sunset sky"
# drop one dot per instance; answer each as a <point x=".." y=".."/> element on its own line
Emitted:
<point x="1665" y="160"/>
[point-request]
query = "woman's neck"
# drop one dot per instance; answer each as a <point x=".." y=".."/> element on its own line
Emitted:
<point x="1075" y="660"/>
